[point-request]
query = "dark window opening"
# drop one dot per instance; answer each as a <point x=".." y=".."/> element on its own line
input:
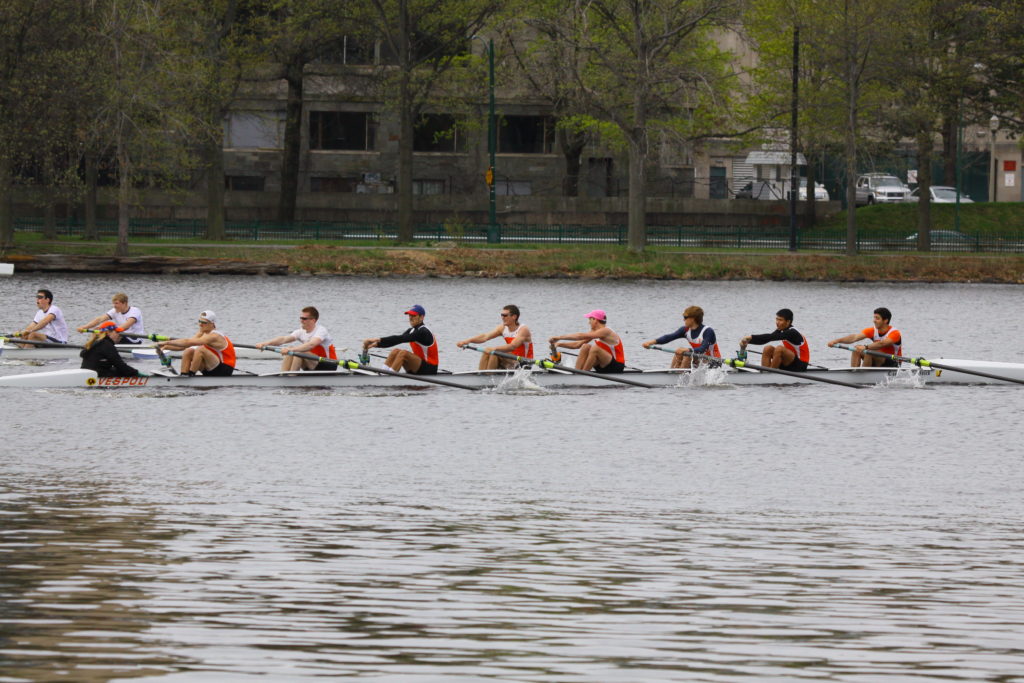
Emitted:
<point x="333" y="184"/>
<point x="244" y="183"/>
<point x="526" y="135"/>
<point x="438" y="133"/>
<point x="350" y="130"/>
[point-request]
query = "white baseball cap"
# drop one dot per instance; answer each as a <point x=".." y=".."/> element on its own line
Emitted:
<point x="208" y="316"/>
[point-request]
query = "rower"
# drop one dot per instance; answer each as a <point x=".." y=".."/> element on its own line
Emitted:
<point x="793" y="354"/>
<point x="48" y="323"/>
<point x="601" y="349"/>
<point x="100" y="353"/>
<point x="208" y="351"/>
<point x="423" y="358"/>
<point x="126" y="319"/>
<point x="518" y="341"/>
<point x="699" y="336"/>
<point x="312" y="337"/>
<point x="884" y="338"/>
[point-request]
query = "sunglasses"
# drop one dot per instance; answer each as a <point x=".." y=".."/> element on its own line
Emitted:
<point x="205" y="322"/>
<point x="40" y="296"/>
<point x="506" y="315"/>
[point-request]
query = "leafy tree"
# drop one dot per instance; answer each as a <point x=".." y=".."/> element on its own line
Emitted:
<point x="643" y="69"/>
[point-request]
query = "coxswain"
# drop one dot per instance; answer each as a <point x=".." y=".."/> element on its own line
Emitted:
<point x="100" y="353"/>
<point x="793" y="354"/>
<point x="312" y="337"/>
<point x="423" y="358"/>
<point x="208" y="352"/>
<point x="699" y="336"/>
<point x="48" y="323"/>
<point x="127" y="319"/>
<point x="601" y="349"/>
<point x="884" y="339"/>
<point x="518" y="341"/>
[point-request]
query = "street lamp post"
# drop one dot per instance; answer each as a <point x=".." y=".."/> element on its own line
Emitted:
<point x="493" y="234"/>
<point x="993" y="125"/>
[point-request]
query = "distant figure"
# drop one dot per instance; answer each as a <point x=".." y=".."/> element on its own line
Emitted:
<point x="601" y="349"/>
<point x="699" y="336"/>
<point x="423" y="359"/>
<point x="48" y="323"/>
<point x="100" y="353"/>
<point x="518" y="341"/>
<point x="884" y="339"/>
<point x="312" y="337"/>
<point x="127" y="319"/>
<point x="793" y="354"/>
<point x="208" y="352"/>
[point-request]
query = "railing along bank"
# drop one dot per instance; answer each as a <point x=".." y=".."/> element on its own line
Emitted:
<point x="682" y="236"/>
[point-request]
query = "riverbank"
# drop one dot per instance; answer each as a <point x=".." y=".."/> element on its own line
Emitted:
<point x="577" y="261"/>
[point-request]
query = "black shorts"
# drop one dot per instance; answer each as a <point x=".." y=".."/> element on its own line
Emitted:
<point x="796" y="366"/>
<point x="325" y="366"/>
<point x="613" y="367"/>
<point x="889" y="363"/>
<point x="221" y="370"/>
<point x="426" y="369"/>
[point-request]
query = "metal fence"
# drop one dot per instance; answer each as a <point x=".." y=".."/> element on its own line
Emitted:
<point x="681" y="236"/>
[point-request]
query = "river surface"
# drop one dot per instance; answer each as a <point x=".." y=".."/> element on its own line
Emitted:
<point x="691" y="534"/>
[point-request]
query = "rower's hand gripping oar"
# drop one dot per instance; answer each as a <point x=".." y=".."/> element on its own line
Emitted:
<point x="739" y="364"/>
<point x="354" y="365"/>
<point x="549" y="364"/>
<point x="923" y="363"/>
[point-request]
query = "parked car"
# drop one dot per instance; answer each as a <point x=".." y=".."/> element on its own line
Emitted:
<point x="943" y="194"/>
<point x="948" y="240"/>
<point x="820" y="193"/>
<point x="881" y="188"/>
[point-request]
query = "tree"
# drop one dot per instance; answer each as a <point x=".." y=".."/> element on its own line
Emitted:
<point x="644" y="69"/>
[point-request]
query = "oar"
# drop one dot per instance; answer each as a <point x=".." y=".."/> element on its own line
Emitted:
<point x="43" y="344"/>
<point x="549" y="365"/>
<point x="923" y="363"/>
<point x="574" y="355"/>
<point x="164" y="360"/>
<point x="353" y="365"/>
<point x="733" y="363"/>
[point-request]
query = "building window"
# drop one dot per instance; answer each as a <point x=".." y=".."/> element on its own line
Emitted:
<point x="438" y="133"/>
<point x="526" y="135"/>
<point x="347" y="130"/>
<point x="687" y="178"/>
<point x="254" y="130"/>
<point x="513" y="188"/>
<point x="244" y="183"/>
<point x="351" y="52"/>
<point x="428" y="187"/>
<point x="333" y="184"/>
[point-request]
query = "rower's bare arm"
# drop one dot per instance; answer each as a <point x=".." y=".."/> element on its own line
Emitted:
<point x="91" y="325"/>
<point x="312" y="343"/>
<point x="856" y="336"/>
<point x="276" y="341"/>
<point x="481" y="338"/>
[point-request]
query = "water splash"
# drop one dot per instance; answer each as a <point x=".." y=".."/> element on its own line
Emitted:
<point x="519" y="381"/>
<point x="904" y="378"/>
<point x="704" y="376"/>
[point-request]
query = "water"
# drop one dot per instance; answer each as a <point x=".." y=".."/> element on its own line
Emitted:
<point x="703" y="533"/>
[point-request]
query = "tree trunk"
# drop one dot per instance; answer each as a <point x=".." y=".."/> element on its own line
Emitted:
<point x="215" y="189"/>
<point x="123" y="194"/>
<point x="49" y="216"/>
<point x="924" y="184"/>
<point x="637" y="225"/>
<point x="810" y="207"/>
<point x="405" y="134"/>
<point x="292" y="143"/>
<point x="90" y="231"/>
<point x="573" y="144"/>
<point x="6" y="217"/>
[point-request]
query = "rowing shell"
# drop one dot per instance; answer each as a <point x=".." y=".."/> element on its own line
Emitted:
<point x="524" y="378"/>
<point x="132" y="351"/>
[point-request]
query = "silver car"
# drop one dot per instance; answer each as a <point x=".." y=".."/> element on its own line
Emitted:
<point x="943" y="194"/>
<point x="881" y="188"/>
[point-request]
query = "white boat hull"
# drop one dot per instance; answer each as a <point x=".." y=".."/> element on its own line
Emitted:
<point x="525" y="379"/>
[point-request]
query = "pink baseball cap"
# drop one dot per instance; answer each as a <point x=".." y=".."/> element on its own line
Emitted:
<point x="597" y="314"/>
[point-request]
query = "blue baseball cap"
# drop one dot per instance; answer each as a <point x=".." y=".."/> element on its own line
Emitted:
<point x="416" y="310"/>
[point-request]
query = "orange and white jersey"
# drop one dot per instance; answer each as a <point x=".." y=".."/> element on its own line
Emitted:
<point x="803" y="351"/>
<point x="894" y="349"/>
<point x="617" y="351"/>
<point x="698" y="341"/>
<point x="525" y="350"/>
<point x="227" y="354"/>
<point x="325" y="349"/>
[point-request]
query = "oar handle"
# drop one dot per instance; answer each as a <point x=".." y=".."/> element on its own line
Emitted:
<point x="550" y="365"/>
<point x="150" y="337"/>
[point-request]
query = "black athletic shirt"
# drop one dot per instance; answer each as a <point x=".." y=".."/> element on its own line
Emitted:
<point x="106" y="361"/>
<point x="419" y="334"/>
<point x="789" y="334"/>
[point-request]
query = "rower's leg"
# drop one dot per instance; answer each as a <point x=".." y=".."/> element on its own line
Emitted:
<point x="680" y="360"/>
<point x="203" y="359"/>
<point x="186" y="359"/>
<point x="782" y="356"/>
<point x="394" y="359"/>
<point x="410" y="361"/>
<point x="581" y="360"/>
<point x="872" y="361"/>
<point x="857" y="358"/>
<point x="597" y="356"/>
<point x="290" y="364"/>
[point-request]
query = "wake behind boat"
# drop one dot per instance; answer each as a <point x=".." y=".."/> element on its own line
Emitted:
<point x="536" y="377"/>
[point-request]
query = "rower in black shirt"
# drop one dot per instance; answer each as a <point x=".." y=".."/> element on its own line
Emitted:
<point x="100" y="353"/>
<point x="423" y="358"/>
<point x="793" y="354"/>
